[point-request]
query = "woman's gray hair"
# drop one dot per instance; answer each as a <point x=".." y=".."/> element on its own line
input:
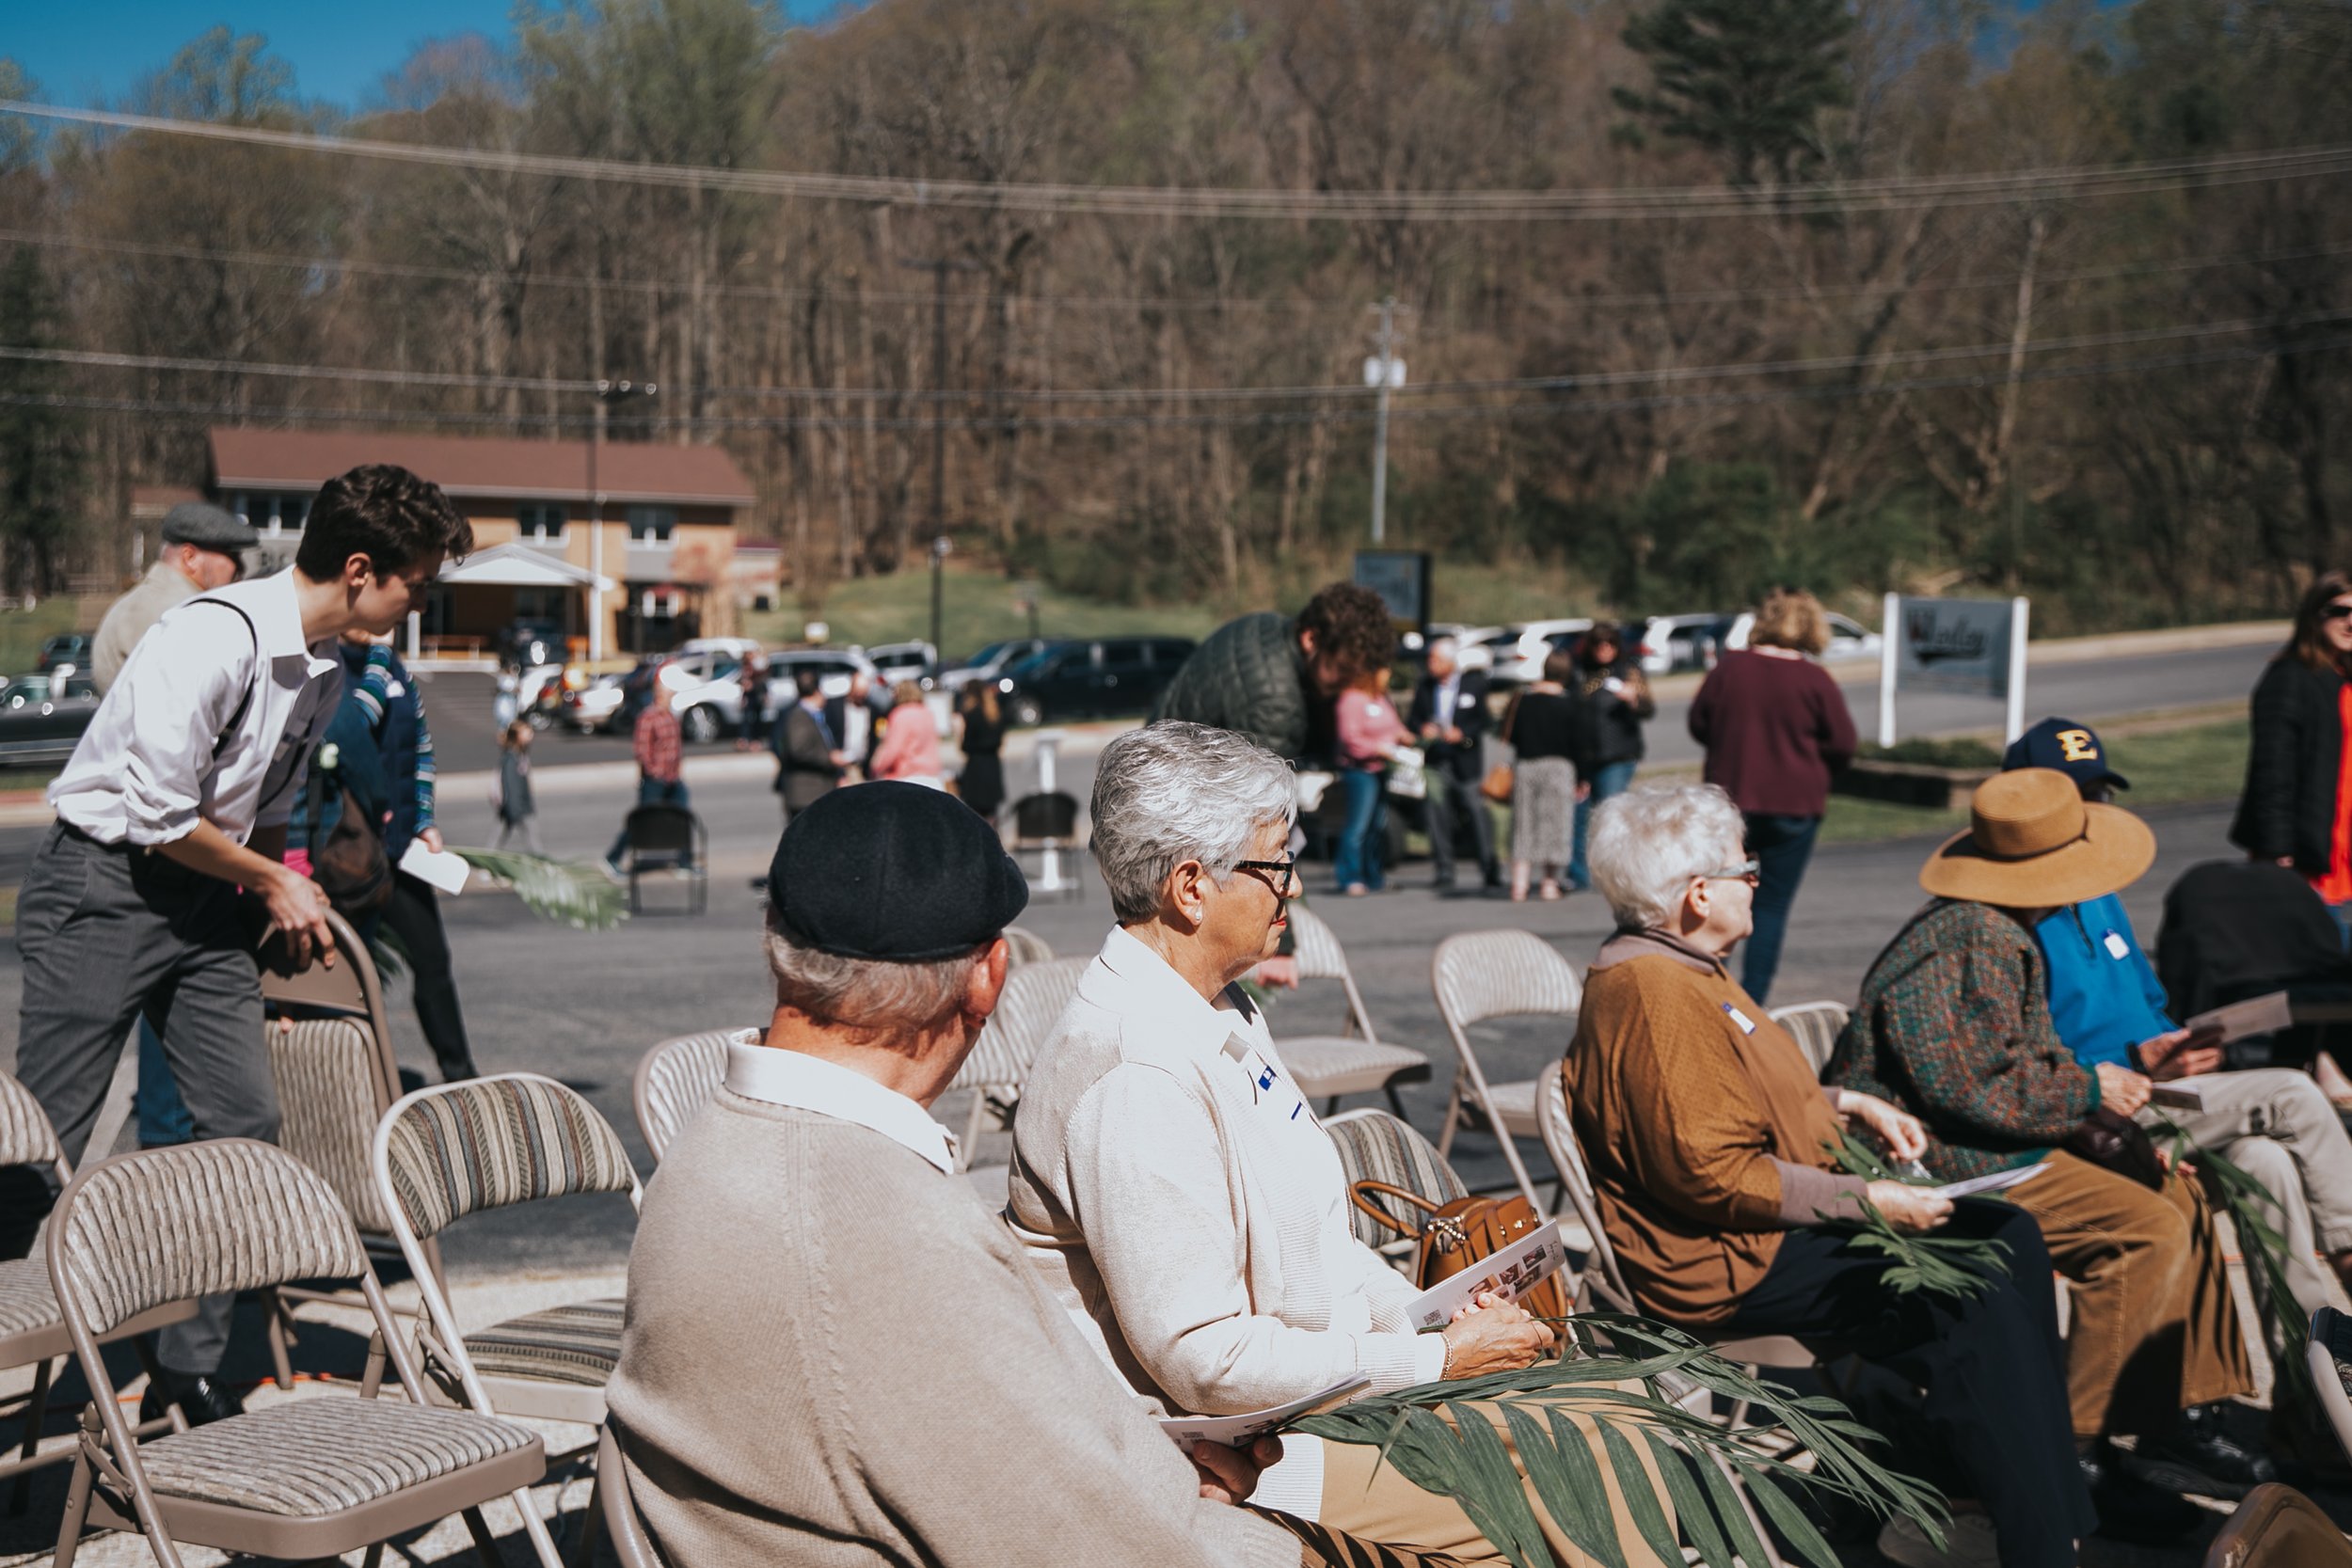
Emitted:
<point x="1174" y="792"/>
<point x="1648" y="843"/>
<point x="893" y="1003"/>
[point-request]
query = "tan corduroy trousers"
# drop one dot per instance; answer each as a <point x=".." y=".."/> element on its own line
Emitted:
<point x="2153" y="1329"/>
<point x="1387" y="1507"/>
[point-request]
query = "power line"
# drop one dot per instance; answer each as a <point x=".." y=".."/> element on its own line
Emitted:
<point x="1564" y="382"/>
<point x="2072" y="183"/>
<point x="359" y="266"/>
<point x="1833" y="392"/>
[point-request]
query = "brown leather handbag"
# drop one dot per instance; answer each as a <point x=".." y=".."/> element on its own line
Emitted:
<point x="2110" y="1140"/>
<point x="1502" y="779"/>
<point x="1461" y="1233"/>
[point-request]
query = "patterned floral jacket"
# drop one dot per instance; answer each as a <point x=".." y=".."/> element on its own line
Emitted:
<point x="1954" y="1027"/>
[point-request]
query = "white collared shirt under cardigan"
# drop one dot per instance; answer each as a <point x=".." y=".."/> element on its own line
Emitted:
<point x="1195" y="1225"/>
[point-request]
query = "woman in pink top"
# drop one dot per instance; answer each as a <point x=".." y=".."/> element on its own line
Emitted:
<point x="1369" y="730"/>
<point x="909" y="742"/>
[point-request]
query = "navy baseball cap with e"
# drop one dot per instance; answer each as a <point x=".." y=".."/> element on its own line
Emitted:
<point x="2074" y="749"/>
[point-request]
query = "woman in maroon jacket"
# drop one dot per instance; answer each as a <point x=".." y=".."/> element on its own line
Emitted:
<point x="1775" y="726"/>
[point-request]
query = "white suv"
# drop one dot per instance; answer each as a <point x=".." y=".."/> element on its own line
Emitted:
<point x="1520" y="652"/>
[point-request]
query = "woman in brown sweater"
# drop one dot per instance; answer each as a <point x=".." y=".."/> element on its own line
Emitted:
<point x="1708" y="1142"/>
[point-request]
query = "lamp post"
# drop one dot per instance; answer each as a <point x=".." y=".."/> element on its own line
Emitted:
<point x="609" y="394"/>
<point x="939" y="546"/>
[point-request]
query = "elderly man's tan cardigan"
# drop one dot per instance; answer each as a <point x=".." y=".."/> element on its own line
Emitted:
<point x="837" y="1358"/>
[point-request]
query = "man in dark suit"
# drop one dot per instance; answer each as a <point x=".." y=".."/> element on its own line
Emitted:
<point x="808" y="762"/>
<point x="1448" y="713"/>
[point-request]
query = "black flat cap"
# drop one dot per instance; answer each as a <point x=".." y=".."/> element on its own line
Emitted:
<point x="206" y="527"/>
<point x="893" y="871"/>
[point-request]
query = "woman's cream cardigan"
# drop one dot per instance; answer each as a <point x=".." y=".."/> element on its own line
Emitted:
<point x="1191" y="1213"/>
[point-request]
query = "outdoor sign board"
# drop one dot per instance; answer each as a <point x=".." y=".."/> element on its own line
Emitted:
<point x="1400" y="578"/>
<point x="1954" y="644"/>
<point x="1973" y="647"/>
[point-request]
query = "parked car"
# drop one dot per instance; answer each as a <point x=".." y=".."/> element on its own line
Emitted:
<point x="71" y="647"/>
<point x="1849" y="639"/>
<point x="990" y="662"/>
<point x="41" y="720"/>
<point x="903" y="661"/>
<point x="1519" y="652"/>
<point x="1092" y="678"/>
<point x="1668" y="644"/>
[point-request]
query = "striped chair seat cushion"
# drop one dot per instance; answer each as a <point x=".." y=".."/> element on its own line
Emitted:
<point x="25" y="1301"/>
<point x="579" y="1343"/>
<point x="310" y="1457"/>
<point x="1376" y="1146"/>
<point x="1317" y="1062"/>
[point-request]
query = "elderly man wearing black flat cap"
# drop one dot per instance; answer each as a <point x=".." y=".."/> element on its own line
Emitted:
<point x="835" y="1354"/>
<point x="204" y="549"/>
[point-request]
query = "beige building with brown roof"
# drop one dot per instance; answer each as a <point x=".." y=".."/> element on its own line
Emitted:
<point x="658" y="569"/>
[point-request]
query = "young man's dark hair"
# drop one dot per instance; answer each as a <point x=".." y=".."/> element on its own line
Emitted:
<point x="1351" y="627"/>
<point x="385" y="512"/>
<point x="806" y="681"/>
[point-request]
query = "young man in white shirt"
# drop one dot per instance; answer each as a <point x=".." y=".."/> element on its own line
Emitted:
<point x="176" y="799"/>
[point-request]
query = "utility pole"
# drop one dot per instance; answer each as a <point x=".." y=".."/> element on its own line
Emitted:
<point x="939" y="268"/>
<point x="609" y="394"/>
<point x="1383" y="372"/>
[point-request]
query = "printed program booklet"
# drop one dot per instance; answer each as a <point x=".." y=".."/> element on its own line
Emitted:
<point x="2256" y="1015"/>
<point x="1508" y="1273"/>
<point x="1992" y="1182"/>
<point x="1239" y="1431"/>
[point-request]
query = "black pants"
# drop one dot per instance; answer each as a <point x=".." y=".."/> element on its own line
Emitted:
<point x="1453" y="798"/>
<point x="1995" y="1408"/>
<point x="413" y="919"/>
<point x="1782" y="847"/>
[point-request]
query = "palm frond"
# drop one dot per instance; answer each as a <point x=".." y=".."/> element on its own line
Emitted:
<point x="572" y="892"/>
<point x="2250" y="1206"/>
<point x="1957" y="1266"/>
<point x="1696" y="1459"/>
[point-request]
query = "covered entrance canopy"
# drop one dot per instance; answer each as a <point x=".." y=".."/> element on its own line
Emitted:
<point x="477" y="599"/>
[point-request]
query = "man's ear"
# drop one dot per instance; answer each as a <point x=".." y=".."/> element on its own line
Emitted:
<point x="1307" y="641"/>
<point x="358" y="568"/>
<point x="985" y="986"/>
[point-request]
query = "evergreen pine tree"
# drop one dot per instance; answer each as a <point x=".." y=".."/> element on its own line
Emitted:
<point x="39" y="442"/>
<point x="1745" y="79"/>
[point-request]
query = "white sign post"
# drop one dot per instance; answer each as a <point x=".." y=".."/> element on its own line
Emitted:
<point x="1890" y="634"/>
<point x="2016" y="726"/>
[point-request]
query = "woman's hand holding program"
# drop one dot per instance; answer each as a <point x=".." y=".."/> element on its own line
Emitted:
<point x="1493" y="1336"/>
<point x="1909" y="1208"/>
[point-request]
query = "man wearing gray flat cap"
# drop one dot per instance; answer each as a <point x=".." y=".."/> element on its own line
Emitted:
<point x="837" y="1355"/>
<point x="202" y="551"/>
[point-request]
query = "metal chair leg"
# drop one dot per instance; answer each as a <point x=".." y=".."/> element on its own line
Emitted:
<point x="280" y="1337"/>
<point x="77" y="1498"/>
<point x="485" y="1545"/>
<point x="592" y="1527"/>
<point x="36" y="1413"/>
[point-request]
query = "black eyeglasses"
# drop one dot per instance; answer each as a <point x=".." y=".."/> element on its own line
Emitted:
<point x="1283" y="872"/>
<point x="2336" y="611"/>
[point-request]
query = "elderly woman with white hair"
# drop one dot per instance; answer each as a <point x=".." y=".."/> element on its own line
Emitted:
<point x="1709" y="1145"/>
<point x="1175" y="1190"/>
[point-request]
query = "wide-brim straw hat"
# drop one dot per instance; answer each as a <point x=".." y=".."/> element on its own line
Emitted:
<point x="2033" y="842"/>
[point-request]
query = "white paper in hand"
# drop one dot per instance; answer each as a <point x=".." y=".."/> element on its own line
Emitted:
<point x="1992" y="1182"/>
<point x="440" y="867"/>
<point x="1239" y="1431"/>
<point x="1509" y="1273"/>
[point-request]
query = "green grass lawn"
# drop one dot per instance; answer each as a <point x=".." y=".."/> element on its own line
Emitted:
<point x="23" y="632"/>
<point x="2204" y="762"/>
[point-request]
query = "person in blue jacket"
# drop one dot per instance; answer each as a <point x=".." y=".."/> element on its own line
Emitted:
<point x="2108" y="1006"/>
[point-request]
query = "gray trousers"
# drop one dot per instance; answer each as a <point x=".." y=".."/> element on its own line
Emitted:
<point x="2277" y="1125"/>
<point x="108" y="933"/>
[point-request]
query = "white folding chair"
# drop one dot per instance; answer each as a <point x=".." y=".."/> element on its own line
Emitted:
<point x="1816" y="1026"/>
<point x="455" y="1149"/>
<point x="1484" y="974"/>
<point x="1324" y="1067"/>
<point x="1034" y="996"/>
<point x="676" y="1080"/>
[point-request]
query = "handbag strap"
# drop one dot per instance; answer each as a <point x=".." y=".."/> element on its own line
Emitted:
<point x="1356" y="1196"/>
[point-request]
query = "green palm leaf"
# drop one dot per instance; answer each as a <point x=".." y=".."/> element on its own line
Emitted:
<point x="1695" y="1458"/>
<point x="572" y="892"/>
<point x="1959" y="1266"/>
<point x="2250" y="1206"/>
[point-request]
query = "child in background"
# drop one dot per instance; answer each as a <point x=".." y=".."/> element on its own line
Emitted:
<point x="516" y="813"/>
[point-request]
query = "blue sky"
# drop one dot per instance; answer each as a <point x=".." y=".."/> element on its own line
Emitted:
<point x="83" y="52"/>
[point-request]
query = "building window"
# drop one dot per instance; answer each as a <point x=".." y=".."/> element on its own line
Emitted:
<point x="269" y="512"/>
<point x="542" y="521"/>
<point x="651" y="525"/>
